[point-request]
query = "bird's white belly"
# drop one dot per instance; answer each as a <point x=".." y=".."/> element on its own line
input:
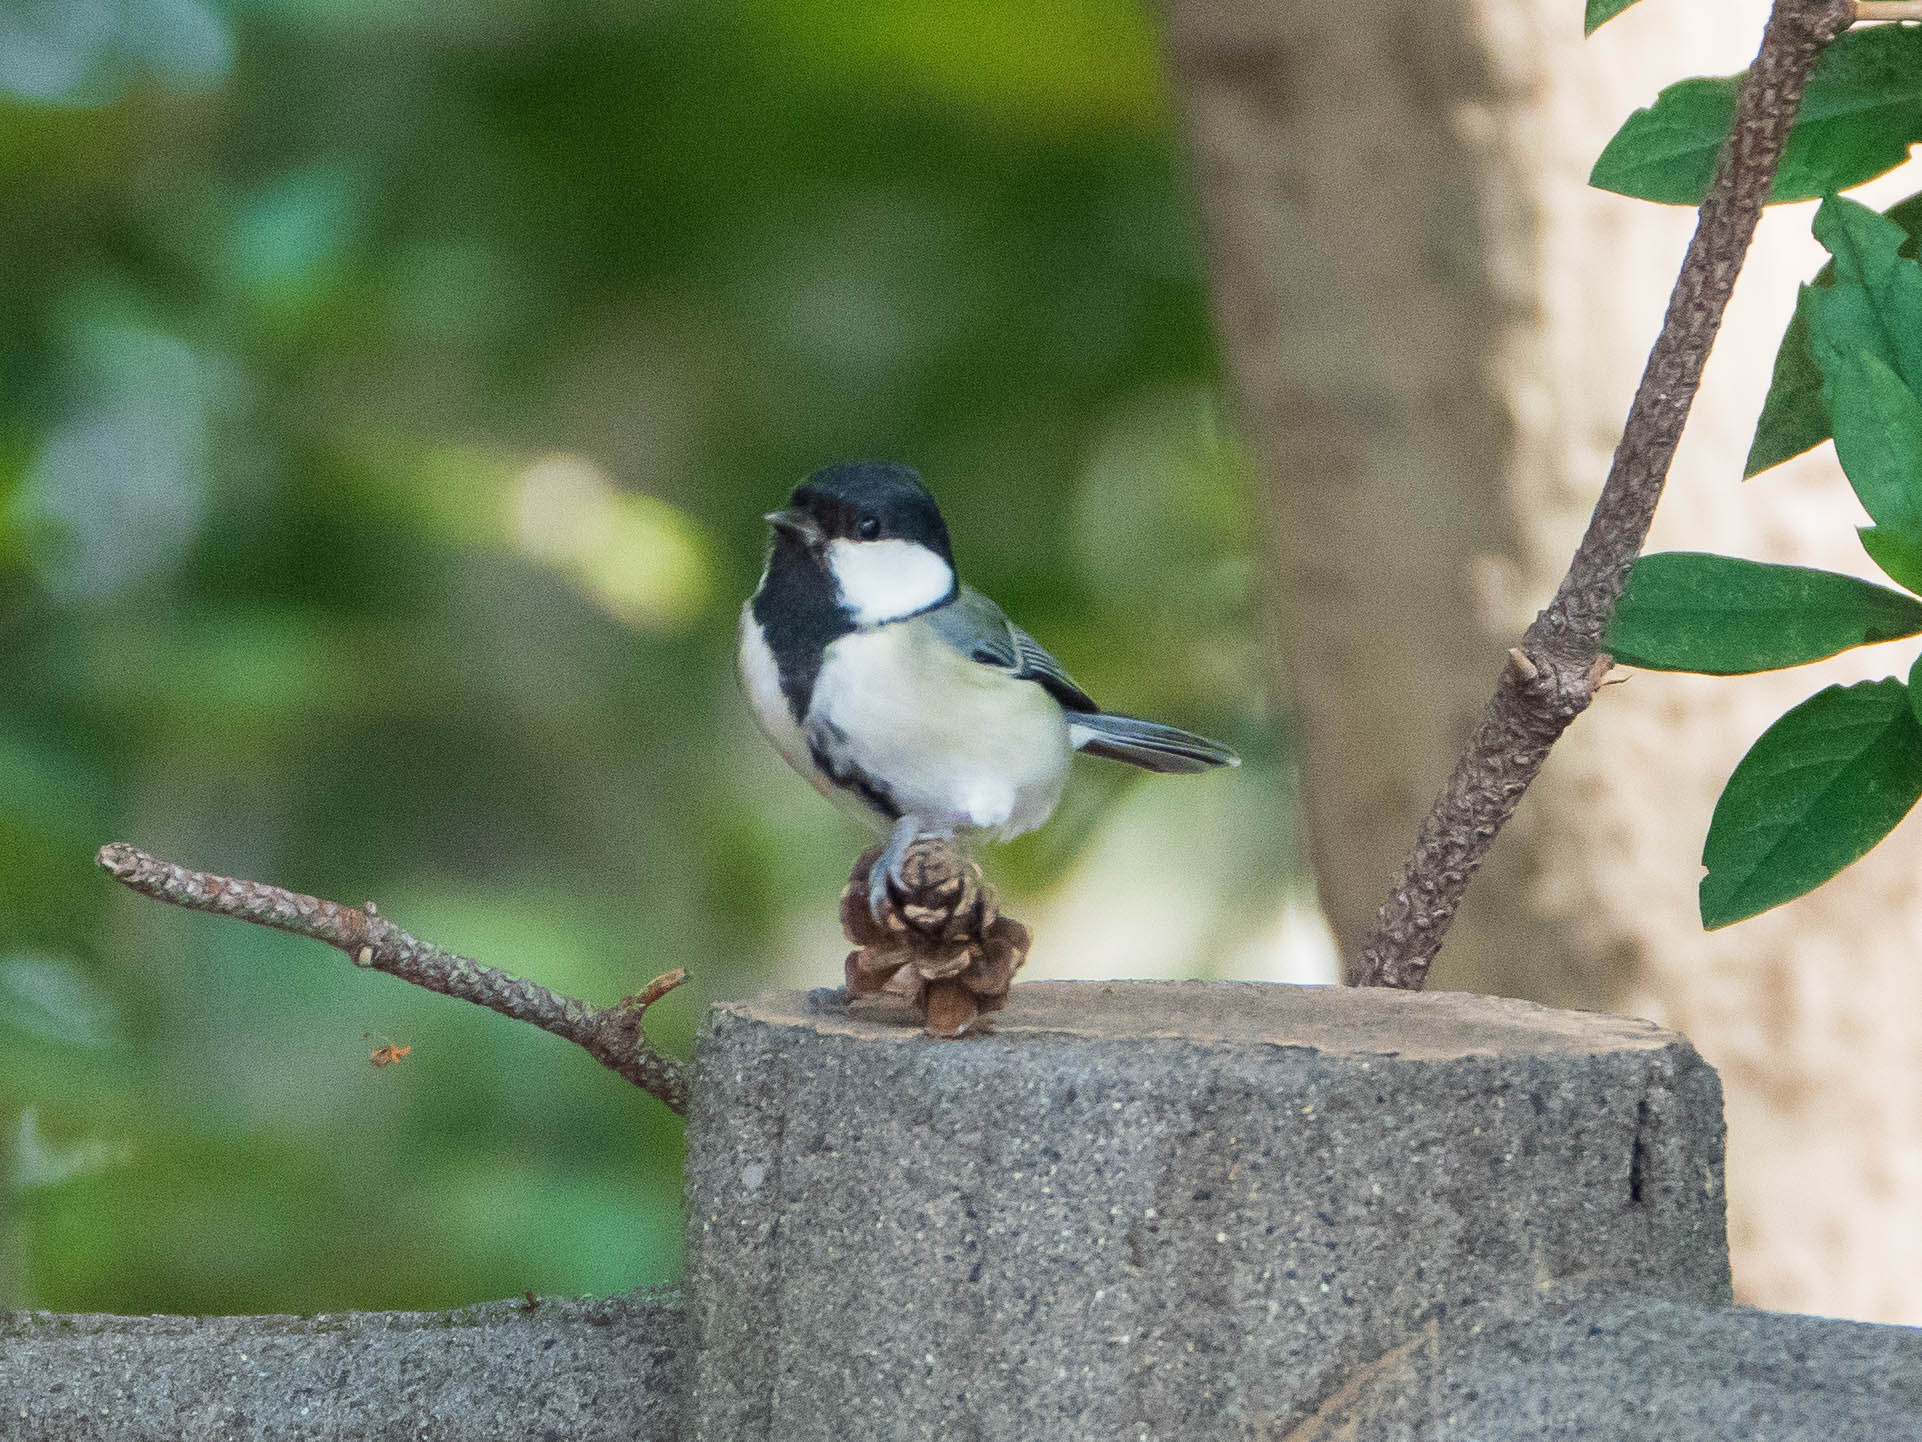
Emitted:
<point x="955" y="742"/>
<point x="761" y="679"/>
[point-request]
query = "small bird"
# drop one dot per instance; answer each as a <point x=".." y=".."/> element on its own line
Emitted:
<point x="905" y="696"/>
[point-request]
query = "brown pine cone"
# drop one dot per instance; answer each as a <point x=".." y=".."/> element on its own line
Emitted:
<point x="943" y="944"/>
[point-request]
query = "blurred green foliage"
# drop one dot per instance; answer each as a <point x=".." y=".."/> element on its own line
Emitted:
<point x="389" y="394"/>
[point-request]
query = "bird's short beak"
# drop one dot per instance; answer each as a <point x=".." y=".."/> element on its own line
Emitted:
<point x="798" y="524"/>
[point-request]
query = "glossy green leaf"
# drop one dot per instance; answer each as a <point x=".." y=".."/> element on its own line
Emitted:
<point x="1819" y="788"/>
<point x="1724" y="616"/>
<point x="1666" y="152"/>
<point x="1875" y="304"/>
<point x="1899" y="555"/>
<point x="1860" y="115"/>
<point x="1795" y="418"/>
<point x="1600" y="12"/>
<point x="1878" y="439"/>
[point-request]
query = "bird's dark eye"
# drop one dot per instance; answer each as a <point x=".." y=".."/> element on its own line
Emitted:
<point x="868" y="528"/>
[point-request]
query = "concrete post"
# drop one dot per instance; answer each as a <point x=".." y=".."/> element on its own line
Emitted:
<point x="1162" y="1210"/>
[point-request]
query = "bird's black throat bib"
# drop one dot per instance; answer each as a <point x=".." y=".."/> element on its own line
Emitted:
<point x="797" y="610"/>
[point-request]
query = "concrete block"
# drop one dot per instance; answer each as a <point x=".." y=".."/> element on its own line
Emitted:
<point x="1162" y="1210"/>
<point x="1624" y="1369"/>
<point x="586" y="1371"/>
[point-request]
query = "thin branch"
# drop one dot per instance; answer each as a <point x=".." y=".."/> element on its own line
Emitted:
<point x="611" y="1035"/>
<point x="1888" y="10"/>
<point x="1562" y="648"/>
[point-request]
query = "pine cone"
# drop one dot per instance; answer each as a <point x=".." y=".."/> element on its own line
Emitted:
<point x="943" y="944"/>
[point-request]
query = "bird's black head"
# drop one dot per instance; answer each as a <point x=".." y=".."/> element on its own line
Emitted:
<point x="871" y="501"/>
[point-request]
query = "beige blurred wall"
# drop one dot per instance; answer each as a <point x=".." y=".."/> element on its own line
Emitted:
<point x="1434" y="328"/>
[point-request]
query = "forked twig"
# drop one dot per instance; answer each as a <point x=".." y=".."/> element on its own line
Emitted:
<point x="611" y="1035"/>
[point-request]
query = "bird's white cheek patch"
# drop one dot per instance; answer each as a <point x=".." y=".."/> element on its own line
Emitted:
<point x="883" y="581"/>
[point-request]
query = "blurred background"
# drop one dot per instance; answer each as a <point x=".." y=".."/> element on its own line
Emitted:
<point x="389" y="396"/>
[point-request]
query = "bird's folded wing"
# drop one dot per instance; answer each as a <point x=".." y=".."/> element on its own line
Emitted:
<point x="976" y="627"/>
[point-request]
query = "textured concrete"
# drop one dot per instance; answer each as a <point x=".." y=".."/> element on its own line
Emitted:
<point x="580" y="1371"/>
<point x="1624" y="1370"/>
<point x="1162" y="1210"/>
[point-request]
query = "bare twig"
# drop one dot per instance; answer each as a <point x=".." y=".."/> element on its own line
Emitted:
<point x="1535" y="702"/>
<point x="611" y="1035"/>
<point x="1888" y="10"/>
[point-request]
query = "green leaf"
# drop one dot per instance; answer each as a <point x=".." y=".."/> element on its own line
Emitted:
<point x="1819" y="788"/>
<point x="1876" y="301"/>
<point x="1899" y="555"/>
<point x="1878" y="439"/>
<point x="1795" y="418"/>
<point x="1723" y="616"/>
<point x="1666" y="151"/>
<point x="1600" y="12"/>
<point x="1861" y="113"/>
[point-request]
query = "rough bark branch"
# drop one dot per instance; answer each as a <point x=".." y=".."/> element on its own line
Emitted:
<point x="1550" y="679"/>
<point x="611" y="1035"/>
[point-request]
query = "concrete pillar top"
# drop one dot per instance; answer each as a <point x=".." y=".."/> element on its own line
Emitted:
<point x="1161" y="1209"/>
<point x="1335" y="1020"/>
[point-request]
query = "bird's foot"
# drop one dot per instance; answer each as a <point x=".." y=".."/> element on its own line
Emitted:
<point x="887" y="866"/>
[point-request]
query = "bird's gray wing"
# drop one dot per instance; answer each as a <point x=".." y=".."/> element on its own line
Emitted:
<point x="977" y="628"/>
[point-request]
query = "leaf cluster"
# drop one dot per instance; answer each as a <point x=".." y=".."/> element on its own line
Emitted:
<point x="1861" y="113"/>
<point x="1834" y="775"/>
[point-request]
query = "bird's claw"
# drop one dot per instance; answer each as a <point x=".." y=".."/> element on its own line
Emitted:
<point x="886" y="871"/>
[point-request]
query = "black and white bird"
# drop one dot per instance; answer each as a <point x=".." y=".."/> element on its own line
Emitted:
<point x="905" y="696"/>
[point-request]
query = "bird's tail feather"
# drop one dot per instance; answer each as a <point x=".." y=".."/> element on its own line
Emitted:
<point x="1147" y="744"/>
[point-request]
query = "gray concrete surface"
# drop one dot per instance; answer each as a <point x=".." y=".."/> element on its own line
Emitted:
<point x="1618" y="1369"/>
<point x="579" y="1371"/>
<point x="1162" y="1210"/>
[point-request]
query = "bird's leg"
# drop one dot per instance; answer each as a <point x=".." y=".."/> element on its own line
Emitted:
<point x="887" y="866"/>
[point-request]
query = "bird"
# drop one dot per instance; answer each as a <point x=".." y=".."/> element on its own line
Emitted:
<point x="903" y="695"/>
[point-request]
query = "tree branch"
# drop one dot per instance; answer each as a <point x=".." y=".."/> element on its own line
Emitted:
<point x="611" y="1035"/>
<point x="1888" y="10"/>
<point x="1549" y="680"/>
